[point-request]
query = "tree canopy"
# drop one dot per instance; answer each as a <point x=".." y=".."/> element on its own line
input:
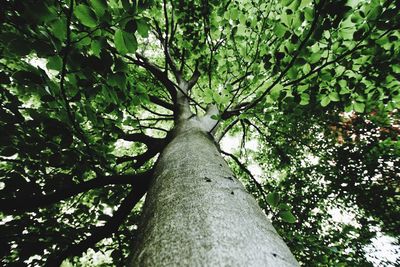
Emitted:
<point x="87" y="102"/>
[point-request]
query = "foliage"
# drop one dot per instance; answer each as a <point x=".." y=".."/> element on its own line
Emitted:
<point x="88" y="98"/>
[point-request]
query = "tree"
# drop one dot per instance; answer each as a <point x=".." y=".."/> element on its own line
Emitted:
<point x="103" y="101"/>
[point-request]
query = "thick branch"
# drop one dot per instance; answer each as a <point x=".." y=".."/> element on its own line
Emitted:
<point x="31" y="202"/>
<point x="156" y="113"/>
<point x="110" y="227"/>
<point x="193" y="80"/>
<point x="145" y="139"/>
<point x="157" y="73"/>
<point x="161" y="102"/>
<point x="154" y="146"/>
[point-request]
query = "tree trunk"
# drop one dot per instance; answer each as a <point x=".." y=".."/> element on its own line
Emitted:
<point x="197" y="213"/>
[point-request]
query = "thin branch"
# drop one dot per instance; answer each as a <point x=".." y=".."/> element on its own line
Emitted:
<point x="31" y="202"/>
<point x="166" y="34"/>
<point x="63" y="73"/>
<point x="289" y="66"/>
<point x="226" y="130"/>
<point x="110" y="227"/>
<point x="164" y="41"/>
<point x="141" y="159"/>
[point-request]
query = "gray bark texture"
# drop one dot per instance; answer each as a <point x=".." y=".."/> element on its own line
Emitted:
<point x="197" y="213"/>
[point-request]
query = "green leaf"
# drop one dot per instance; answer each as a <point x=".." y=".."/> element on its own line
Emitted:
<point x="314" y="58"/>
<point x="234" y="14"/>
<point x="284" y="206"/>
<point x="334" y="96"/>
<point x="125" y="42"/>
<point x="359" y="107"/>
<point x="85" y="15"/>
<point x="305" y="99"/>
<point x="280" y="30"/>
<point x="143" y="28"/>
<point x="54" y="63"/>
<point x="374" y="12"/>
<point x="325" y="101"/>
<point x="273" y="199"/>
<point x="90" y="113"/>
<point x="95" y="47"/>
<point x="306" y="68"/>
<point x="59" y="29"/>
<point x="286" y="2"/>
<point x="99" y="7"/>
<point x="276" y="91"/>
<point x="117" y="79"/>
<point x="287" y="216"/>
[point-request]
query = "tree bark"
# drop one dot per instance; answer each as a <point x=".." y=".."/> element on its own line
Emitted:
<point x="197" y="213"/>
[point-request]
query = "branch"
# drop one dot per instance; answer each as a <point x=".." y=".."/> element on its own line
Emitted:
<point x="31" y="202"/>
<point x="291" y="63"/>
<point x="336" y="60"/>
<point x="164" y="42"/>
<point x="141" y="159"/>
<point x="154" y="146"/>
<point x="226" y="130"/>
<point x="166" y="35"/>
<point x="110" y="227"/>
<point x="156" y="113"/>
<point x="70" y="114"/>
<point x="157" y="73"/>
<point x="145" y="139"/>
<point x="161" y="102"/>
<point x="195" y="76"/>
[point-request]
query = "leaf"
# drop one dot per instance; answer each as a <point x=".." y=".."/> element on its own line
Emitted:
<point x="276" y="91"/>
<point x="90" y="113"/>
<point x="20" y="47"/>
<point x="284" y="206"/>
<point x="287" y="216"/>
<point x="234" y="14"/>
<point x="280" y="30"/>
<point x="99" y="6"/>
<point x="286" y="2"/>
<point x="325" y="101"/>
<point x="143" y="28"/>
<point x="54" y="63"/>
<point x="305" y="99"/>
<point x="273" y="199"/>
<point x="59" y="29"/>
<point x="117" y="79"/>
<point x="95" y="47"/>
<point x="359" y="107"/>
<point x="85" y="15"/>
<point x="334" y="96"/>
<point x="125" y="42"/>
